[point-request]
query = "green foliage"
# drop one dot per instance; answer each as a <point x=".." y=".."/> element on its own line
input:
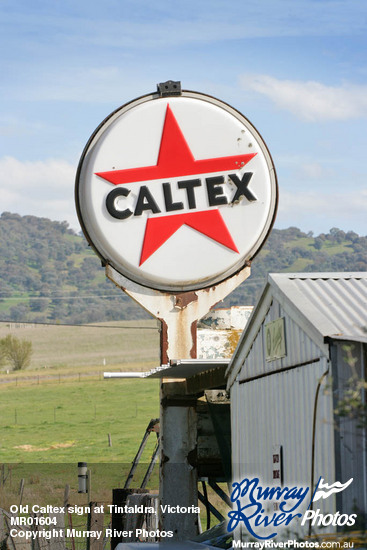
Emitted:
<point x="48" y="273"/>
<point x="291" y="250"/>
<point x="16" y="352"/>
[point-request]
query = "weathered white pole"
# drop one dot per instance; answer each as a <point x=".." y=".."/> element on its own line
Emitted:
<point x="178" y="314"/>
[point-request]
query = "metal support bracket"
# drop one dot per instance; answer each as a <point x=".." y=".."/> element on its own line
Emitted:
<point x="178" y="314"/>
<point x="169" y="88"/>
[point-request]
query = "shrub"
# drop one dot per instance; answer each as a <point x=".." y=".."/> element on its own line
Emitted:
<point x="16" y="352"/>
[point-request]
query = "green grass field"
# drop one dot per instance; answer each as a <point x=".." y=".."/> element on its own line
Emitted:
<point x="70" y="422"/>
<point x="60" y="410"/>
<point x="47" y="428"/>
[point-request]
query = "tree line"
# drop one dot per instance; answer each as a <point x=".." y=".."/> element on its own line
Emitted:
<point x="48" y="273"/>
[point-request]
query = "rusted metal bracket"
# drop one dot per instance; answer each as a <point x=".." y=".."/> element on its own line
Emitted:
<point x="179" y="312"/>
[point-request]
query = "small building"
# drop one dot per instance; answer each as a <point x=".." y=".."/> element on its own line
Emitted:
<point x="303" y="351"/>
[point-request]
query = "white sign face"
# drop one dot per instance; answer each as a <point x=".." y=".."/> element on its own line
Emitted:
<point x="176" y="193"/>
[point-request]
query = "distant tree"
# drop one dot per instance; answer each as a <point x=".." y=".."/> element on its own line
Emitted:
<point x="352" y="236"/>
<point x="19" y="312"/>
<point x="318" y="243"/>
<point x="39" y="304"/>
<point x="16" y="352"/>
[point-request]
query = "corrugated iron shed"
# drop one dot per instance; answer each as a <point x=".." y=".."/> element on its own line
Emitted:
<point x="330" y="305"/>
<point x="306" y="337"/>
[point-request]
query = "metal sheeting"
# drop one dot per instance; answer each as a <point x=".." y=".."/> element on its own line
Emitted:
<point x="300" y="348"/>
<point x="183" y="368"/>
<point x="272" y="401"/>
<point x="278" y="410"/>
<point x="322" y="305"/>
<point x="335" y="303"/>
<point x="186" y="368"/>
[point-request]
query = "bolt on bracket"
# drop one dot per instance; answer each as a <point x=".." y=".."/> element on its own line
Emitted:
<point x="169" y="88"/>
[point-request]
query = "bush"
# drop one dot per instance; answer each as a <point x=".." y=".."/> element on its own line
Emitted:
<point x="16" y="352"/>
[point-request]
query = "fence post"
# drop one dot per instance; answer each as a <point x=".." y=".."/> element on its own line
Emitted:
<point x="95" y="523"/>
<point x="21" y="489"/>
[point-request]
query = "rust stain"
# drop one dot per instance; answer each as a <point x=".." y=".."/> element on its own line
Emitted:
<point x="233" y="339"/>
<point x="194" y="351"/>
<point x="164" y="342"/>
<point x="184" y="299"/>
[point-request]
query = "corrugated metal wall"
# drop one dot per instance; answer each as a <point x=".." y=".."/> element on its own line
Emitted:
<point x="300" y="348"/>
<point x="278" y="410"/>
<point x="272" y="401"/>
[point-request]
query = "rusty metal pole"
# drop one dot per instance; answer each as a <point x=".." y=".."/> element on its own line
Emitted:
<point x="178" y="314"/>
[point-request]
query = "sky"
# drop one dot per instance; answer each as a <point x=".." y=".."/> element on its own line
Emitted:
<point x="297" y="69"/>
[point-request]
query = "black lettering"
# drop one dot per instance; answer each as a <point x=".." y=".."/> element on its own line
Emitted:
<point x="110" y="203"/>
<point x="189" y="185"/>
<point x="215" y="191"/>
<point x="170" y="205"/>
<point x="242" y="187"/>
<point x="145" y="202"/>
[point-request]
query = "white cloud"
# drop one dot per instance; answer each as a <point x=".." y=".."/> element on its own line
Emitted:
<point x="321" y="211"/>
<point x="310" y="100"/>
<point x="40" y="188"/>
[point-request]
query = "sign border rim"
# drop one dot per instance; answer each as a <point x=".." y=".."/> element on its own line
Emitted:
<point x="175" y="288"/>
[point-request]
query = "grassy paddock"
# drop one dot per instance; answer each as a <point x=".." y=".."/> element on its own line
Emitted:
<point x="48" y="428"/>
<point x="88" y="347"/>
<point x="70" y="422"/>
<point x="60" y="411"/>
<point x="45" y="483"/>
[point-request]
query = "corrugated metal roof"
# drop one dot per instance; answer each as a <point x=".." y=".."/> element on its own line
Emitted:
<point x="335" y="303"/>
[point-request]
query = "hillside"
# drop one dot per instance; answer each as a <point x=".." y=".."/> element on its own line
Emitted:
<point x="48" y="273"/>
<point x="291" y="250"/>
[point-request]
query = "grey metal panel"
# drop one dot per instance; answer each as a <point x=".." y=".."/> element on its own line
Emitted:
<point x="182" y="368"/>
<point x="324" y="305"/>
<point x="186" y="368"/>
<point x="300" y="348"/>
<point x="278" y="410"/>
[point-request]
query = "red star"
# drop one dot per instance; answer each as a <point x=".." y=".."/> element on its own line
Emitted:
<point x="175" y="159"/>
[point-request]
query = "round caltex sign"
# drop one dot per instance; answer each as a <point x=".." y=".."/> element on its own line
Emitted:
<point x="176" y="193"/>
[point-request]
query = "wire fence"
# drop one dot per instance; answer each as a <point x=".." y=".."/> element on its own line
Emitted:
<point x="50" y="378"/>
<point x="24" y="416"/>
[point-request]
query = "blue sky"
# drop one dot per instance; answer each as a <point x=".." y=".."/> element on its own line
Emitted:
<point x="296" y="68"/>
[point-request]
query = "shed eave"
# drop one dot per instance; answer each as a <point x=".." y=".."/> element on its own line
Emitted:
<point x="346" y="337"/>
